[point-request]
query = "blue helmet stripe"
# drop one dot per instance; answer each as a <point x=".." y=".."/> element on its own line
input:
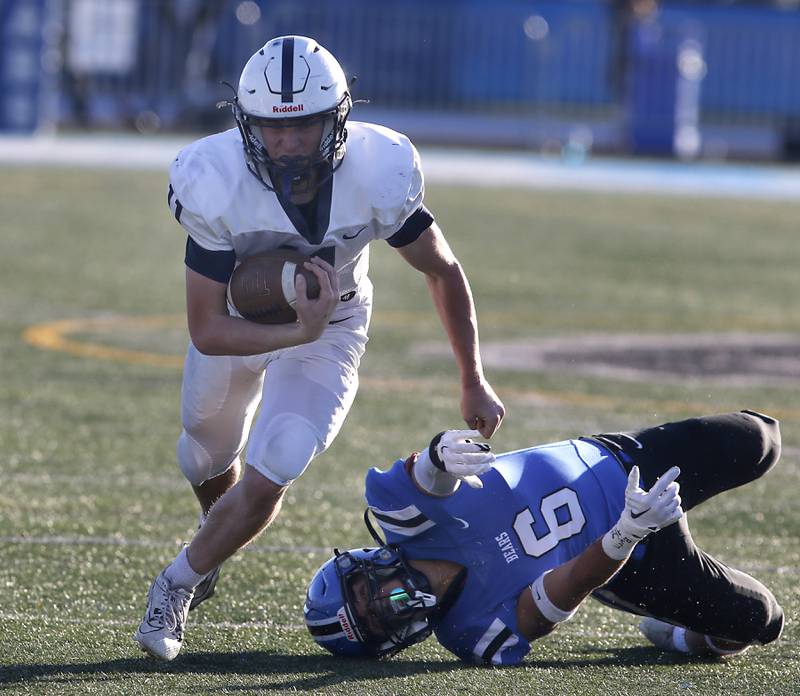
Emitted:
<point x="287" y="70"/>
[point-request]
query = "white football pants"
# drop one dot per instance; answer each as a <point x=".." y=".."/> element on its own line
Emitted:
<point x="305" y="394"/>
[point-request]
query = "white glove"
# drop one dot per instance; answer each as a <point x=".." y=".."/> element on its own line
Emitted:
<point x="455" y="452"/>
<point x="645" y="512"/>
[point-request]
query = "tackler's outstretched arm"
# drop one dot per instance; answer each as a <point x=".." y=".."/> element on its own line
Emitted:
<point x="555" y="595"/>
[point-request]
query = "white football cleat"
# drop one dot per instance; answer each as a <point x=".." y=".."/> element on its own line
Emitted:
<point x="205" y="590"/>
<point x="659" y="633"/>
<point x="161" y="632"/>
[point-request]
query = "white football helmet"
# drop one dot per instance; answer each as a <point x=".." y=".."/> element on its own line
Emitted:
<point x="290" y="80"/>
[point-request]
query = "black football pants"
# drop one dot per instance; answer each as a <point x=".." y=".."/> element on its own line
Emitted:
<point x="673" y="580"/>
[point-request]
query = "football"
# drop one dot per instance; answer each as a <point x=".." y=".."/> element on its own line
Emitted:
<point x="262" y="286"/>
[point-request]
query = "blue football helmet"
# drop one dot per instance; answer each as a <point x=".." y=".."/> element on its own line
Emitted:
<point x="387" y="623"/>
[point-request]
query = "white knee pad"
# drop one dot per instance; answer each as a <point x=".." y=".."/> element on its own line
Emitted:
<point x="284" y="449"/>
<point x="195" y="461"/>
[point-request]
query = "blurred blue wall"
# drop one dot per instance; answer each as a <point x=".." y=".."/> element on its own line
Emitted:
<point x="719" y="79"/>
<point x="20" y="63"/>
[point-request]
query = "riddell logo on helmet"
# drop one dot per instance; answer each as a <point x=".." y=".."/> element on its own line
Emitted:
<point x="345" y="624"/>
<point x="287" y="107"/>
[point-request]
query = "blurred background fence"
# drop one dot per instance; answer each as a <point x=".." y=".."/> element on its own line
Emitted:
<point x="691" y="79"/>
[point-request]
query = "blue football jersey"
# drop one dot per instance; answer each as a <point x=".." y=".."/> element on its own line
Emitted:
<point x="538" y="508"/>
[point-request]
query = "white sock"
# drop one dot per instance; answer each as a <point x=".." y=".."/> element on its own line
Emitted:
<point x="180" y="573"/>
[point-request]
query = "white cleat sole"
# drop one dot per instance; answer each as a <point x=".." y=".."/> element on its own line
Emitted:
<point x="164" y="654"/>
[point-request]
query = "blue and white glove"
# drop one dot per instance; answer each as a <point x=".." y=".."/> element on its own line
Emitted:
<point x="453" y="456"/>
<point x="645" y="512"/>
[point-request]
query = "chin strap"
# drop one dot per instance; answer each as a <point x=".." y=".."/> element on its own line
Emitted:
<point x="451" y="594"/>
<point x="377" y="537"/>
<point x="423" y="594"/>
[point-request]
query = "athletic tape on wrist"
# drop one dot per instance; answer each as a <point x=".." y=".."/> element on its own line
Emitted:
<point x="549" y="610"/>
<point x="617" y="544"/>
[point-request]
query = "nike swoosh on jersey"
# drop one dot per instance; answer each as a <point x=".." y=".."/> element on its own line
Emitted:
<point x="353" y="236"/>
<point x="464" y="523"/>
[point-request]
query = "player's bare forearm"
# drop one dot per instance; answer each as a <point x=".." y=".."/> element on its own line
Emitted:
<point x="452" y="297"/>
<point x="567" y="586"/>
<point x="449" y="288"/>
<point x="570" y="583"/>
<point x="226" y="335"/>
<point x="214" y="332"/>
<point x="480" y="406"/>
<point x="453" y="301"/>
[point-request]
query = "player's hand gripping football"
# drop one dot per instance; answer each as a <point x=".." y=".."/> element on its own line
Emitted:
<point x="457" y="453"/>
<point x="313" y="315"/>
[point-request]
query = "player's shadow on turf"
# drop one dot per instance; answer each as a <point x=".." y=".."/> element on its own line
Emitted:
<point x="304" y="672"/>
<point x="635" y="656"/>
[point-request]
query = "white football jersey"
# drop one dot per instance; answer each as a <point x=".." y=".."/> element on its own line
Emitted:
<point x="223" y="207"/>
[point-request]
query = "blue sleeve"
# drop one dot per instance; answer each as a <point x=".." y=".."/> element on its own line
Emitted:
<point x="217" y="265"/>
<point x="394" y="502"/>
<point x="419" y="221"/>
<point x="483" y="637"/>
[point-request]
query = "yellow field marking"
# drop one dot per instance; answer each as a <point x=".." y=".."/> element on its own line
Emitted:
<point x="54" y="336"/>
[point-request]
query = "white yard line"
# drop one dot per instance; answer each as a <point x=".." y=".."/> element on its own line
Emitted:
<point x="19" y="616"/>
<point x="66" y="540"/>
